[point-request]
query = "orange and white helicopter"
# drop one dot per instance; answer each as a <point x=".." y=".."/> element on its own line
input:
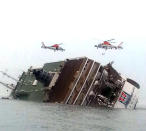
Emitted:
<point x="107" y="44"/>
<point x="55" y="47"/>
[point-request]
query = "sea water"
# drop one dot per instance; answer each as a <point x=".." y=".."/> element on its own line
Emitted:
<point x="16" y="115"/>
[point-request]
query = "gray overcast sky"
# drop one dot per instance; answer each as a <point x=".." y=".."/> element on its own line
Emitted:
<point x="79" y="24"/>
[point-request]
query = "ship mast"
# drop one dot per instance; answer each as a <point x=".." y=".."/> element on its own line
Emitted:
<point x="7" y="85"/>
<point x="4" y="73"/>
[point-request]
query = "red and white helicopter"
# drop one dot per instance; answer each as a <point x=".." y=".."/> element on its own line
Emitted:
<point x="108" y="45"/>
<point x="55" y="47"/>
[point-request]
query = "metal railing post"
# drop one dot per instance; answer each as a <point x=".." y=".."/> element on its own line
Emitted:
<point x="91" y="84"/>
<point x="76" y="82"/>
<point x="84" y="83"/>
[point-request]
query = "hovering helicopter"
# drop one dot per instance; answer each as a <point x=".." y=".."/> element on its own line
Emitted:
<point x="108" y="45"/>
<point x="55" y="47"/>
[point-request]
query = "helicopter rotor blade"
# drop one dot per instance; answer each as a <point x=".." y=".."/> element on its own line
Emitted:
<point x="60" y="44"/>
<point x="111" y="40"/>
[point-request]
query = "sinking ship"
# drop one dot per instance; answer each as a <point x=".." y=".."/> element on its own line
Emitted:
<point x="79" y="81"/>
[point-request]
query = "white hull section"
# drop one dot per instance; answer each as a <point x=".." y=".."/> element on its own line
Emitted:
<point x="128" y="97"/>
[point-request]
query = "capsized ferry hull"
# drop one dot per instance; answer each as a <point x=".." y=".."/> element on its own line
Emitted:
<point x="79" y="81"/>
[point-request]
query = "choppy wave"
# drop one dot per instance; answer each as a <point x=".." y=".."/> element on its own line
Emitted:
<point x="30" y="116"/>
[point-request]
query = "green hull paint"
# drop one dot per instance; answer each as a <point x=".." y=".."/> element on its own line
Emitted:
<point x="25" y="90"/>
